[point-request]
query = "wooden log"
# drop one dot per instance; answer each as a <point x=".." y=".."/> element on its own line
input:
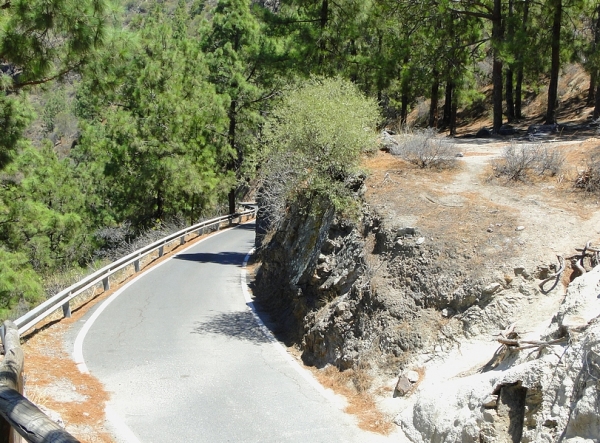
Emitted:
<point x="31" y="423"/>
<point x="526" y="344"/>
<point x="11" y="368"/>
<point x="19" y="413"/>
<point x="11" y="374"/>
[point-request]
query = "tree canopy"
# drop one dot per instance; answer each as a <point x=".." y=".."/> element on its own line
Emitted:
<point x="125" y="115"/>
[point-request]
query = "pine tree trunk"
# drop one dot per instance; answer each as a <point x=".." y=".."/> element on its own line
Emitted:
<point x="591" y="101"/>
<point x="453" y="112"/>
<point x="596" y="114"/>
<point x="497" y="36"/>
<point x="404" y="108"/>
<point x="448" y="104"/>
<point x="231" y="201"/>
<point x="519" y="94"/>
<point x="324" y="13"/>
<point x="520" y="62"/>
<point x="555" y="69"/>
<point x="235" y="160"/>
<point x="591" y="98"/>
<point x="510" y="104"/>
<point x="159" y="203"/>
<point x="404" y="92"/>
<point x="433" y="105"/>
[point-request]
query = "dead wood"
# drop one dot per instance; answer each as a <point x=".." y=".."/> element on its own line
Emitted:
<point x="556" y="275"/>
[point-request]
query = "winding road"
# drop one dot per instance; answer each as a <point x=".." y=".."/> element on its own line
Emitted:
<point x="184" y="359"/>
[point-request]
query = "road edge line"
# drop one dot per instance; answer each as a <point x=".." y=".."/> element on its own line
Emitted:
<point x="304" y="373"/>
<point x="124" y="433"/>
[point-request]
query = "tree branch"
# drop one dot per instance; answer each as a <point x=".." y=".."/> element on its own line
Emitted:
<point x="474" y="14"/>
<point x="47" y="79"/>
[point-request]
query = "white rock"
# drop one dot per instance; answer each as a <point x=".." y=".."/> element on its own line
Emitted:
<point x="420" y="240"/>
<point x="561" y="385"/>
<point x="413" y="376"/>
<point x="519" y="228"/>
<point x="574" y="322"/>
<point x="491" y="401"/>
<point x="341" y="307"/>
<point x="491" y="288"/>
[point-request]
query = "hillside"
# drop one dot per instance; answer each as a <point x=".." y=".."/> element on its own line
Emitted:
<point x="121" y="119"/>
<point x="441" y="263"/>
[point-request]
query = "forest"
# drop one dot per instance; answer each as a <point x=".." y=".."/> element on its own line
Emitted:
<point x="118" y="116"/>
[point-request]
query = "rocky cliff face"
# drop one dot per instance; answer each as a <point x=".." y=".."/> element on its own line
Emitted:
<point x="543" y="393"/>
<point x="376" y="290"/>
<point x="381" y="294"/>
<point x="353" y="292"/>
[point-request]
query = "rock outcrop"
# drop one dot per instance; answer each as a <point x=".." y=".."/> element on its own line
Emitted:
<point x="541" y="394"/>
<point x="382" y="294"/>
<point x="375" y="290"/>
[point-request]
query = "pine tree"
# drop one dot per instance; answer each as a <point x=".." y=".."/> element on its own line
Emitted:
<point x="163" y="126"/>
<point x="231" y="40"/>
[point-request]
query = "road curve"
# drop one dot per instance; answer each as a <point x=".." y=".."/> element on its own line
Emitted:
<point x="184" y="360"/>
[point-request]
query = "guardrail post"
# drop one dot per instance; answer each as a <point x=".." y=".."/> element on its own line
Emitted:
<point x="182" y="240"/>
<point x="200" y="232"/>
<point x="3" y="336"/>
<point x="161" y="251"/>
<point x="136" y="265"/>
<point x="66" y="310"/>
<point x="106" y="283"/>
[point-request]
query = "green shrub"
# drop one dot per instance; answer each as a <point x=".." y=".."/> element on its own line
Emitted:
<point x="312" y="143"/>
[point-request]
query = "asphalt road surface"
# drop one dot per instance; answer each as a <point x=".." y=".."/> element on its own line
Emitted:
<point x="185" y="361"/>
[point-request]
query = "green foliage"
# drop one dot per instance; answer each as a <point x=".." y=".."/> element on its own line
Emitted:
<point x="14" y="117"/>
<point x="56" y="103"/>
<point x="160" y="140"/>
<point x="43" y="224"/>
<point x="41" y="39"/>
<point x="18" y="282"/>
<point x="43" y="210"/>
<point x="314" y="139"/>
<point x="326" y="122"/>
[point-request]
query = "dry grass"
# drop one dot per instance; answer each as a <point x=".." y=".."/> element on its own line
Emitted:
<point x="355" y="385"/>
<point x="476" y="154"/>
<point x="457" y="221"/>
<point x="86" y="410"/>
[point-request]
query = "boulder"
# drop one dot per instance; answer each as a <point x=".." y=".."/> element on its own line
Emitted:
<point x="483" y="133"/>
<point x="507" y="130"/>
<point x="403" y="387"/>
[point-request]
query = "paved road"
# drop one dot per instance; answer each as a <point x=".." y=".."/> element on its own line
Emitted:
<point x="184" y="360"/>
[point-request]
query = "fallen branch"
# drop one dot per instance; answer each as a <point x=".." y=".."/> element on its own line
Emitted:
<point x="528" y="344"/>
<point x="556" y="275"/>
<point x="578" y="266"/>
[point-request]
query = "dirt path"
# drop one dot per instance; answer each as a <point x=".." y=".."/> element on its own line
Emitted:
<point x="504" y="225"/>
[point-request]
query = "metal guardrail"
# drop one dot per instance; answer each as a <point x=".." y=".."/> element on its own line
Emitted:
<point x="18" y="416"/>
<point x="63" y="298"/>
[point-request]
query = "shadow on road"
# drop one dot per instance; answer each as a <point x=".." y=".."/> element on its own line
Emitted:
<point x="251" y="226"/>
<point x="221" y="258"/>
<point x="240" y="325"/>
